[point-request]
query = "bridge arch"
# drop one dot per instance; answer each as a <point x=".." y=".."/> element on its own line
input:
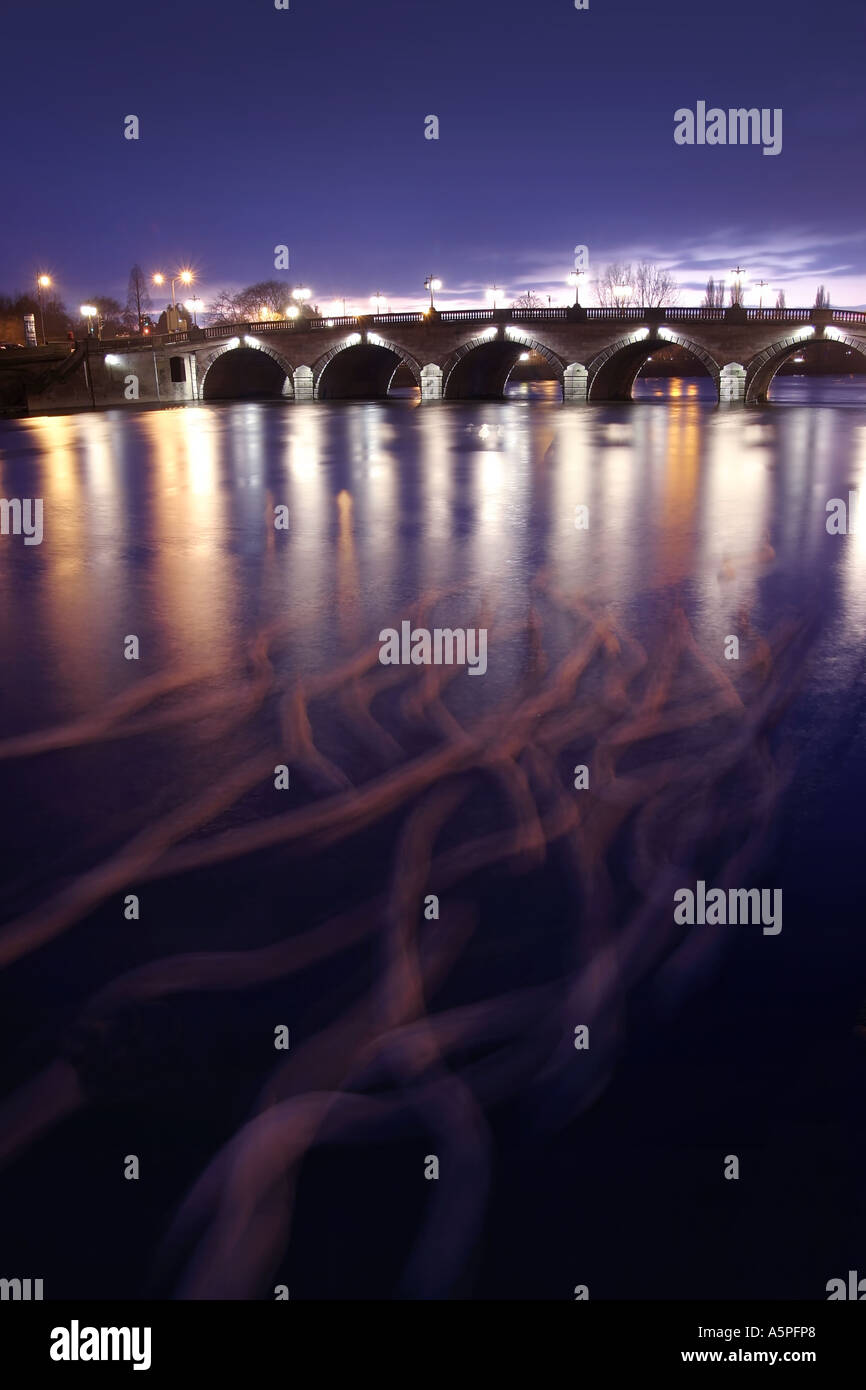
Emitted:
<point x="611" y="374"/>
<point x="361" y="368"/>
<point x="480" y="368"/>
<point x="765" y="364"/>
<point x="244" y="369"/>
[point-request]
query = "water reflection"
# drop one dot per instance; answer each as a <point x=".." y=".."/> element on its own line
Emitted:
<point x="258" y="645"/>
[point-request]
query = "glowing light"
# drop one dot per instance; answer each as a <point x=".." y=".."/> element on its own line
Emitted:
<point x="490" y="333"/>
<point x="524" y="357"/>
<point x="45" y="281"/>
<point x="111" y="360"/>
<point x="352" y="339"/>
<point x="88" y="311"/>
<point x="159" y="279"/>
<point x="301" y="293"/>
<point x="186" y="277"/>
<point x="292" y="311"/>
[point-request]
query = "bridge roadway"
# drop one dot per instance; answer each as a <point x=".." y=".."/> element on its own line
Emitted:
<point x="464" y="354"/>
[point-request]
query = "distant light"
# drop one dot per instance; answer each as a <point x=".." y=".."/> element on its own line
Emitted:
<point x="251" y="342"/>
<point x="435" y="284"/>
<point x="45" y="281"/>
<point x="112" y="360"/>
<point x="352" y="339"/>
<point x="159" y="279"/>
<point x="234" y="342"/>
<point x="292" y="311"/>
<point x="490" y="333"/>
<point x="88" y="311"/>
<point x="524" y="357"/>
<point x="301" y="293"/>
<point x="329" y="323"/>
<point x="186" y="277"/>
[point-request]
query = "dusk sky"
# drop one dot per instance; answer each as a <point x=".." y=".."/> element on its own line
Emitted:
<point x="306" y="127"/>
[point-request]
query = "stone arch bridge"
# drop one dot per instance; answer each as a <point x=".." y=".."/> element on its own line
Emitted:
<point x="595" y="354"/>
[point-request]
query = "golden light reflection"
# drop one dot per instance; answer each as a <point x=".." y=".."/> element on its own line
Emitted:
<point x="348" y="588"/>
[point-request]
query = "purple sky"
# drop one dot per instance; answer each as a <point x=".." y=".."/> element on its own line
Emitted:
<point x="306" y="127"/>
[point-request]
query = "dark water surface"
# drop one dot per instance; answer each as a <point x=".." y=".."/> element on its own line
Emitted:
<point x="161" y="524"/>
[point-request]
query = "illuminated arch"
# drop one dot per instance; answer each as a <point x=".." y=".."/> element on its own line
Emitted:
<point x="205" y="362"/>
<point x="367" y="340"/>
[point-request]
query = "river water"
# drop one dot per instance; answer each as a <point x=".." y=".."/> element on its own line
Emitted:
<point x="611" y="553"/>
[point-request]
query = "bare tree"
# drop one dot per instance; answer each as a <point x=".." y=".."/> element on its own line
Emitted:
<point x="527" y="300"/>
<point x="822" y="297"/>
<point x="714" y="295"/>
<point x="614" y="287"/>
<point x="737" y="293"/>
<point x="780" y="299"/>
<point x="654" y="286"/>
<point x="224" y="307"/>
<point x="137" y="301"/>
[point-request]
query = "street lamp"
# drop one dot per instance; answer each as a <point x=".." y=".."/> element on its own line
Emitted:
<point x="622" y="293"/>
<point x="377" y="300"/>
<point x="302" y="294"/>
<point x="431" y="284"/>
<point x="292" y="311"/>
<point x="738" y="285"/>
<point x="492" y="293"/>
<point x="194" y="305"/>
<point x="574" y="279"/>
<point x="335" y="307"/>
<point x="42" y="283"/>
<point x="90" y="312"/>
<point x="186" y="277"/>
<point x="761" y="286"/>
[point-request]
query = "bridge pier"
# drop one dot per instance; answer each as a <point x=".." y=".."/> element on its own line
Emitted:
<point x="574" y="382"/>
<point x="732" y="384"/>
<point x="431" y="382"/>
<point x="302" y="378"/>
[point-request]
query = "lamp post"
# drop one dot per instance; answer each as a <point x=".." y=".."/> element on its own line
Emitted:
<point x="762" y="285"/>
<point x="431" y="284"/>
<point x="377" y="300"/>
<point x="574" y="279"/>
<point x="42" y="283"/>
<point x="738" y="285"/>
<point x="185" y="277"/>
<point x="492" y="294"/>
<point x="194" y="305"/>
<point x="90" y="312"/>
